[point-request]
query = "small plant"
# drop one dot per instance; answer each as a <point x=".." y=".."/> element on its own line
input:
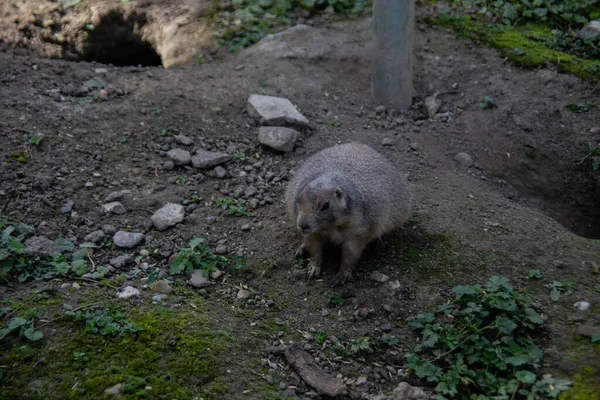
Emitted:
<point x="363" y="344"/>
<point x="334" y="123"/>
<point x="24" y="327"/>
<point x="487" y="102"/>
<point x="535" y="274"/>
<point x="558" y="289"/>
<point x="482" y="343"/>
<point x="579" y="108"/>
<point x="320" y="338"/>
<point x="593" y="154"/>
<point x="106" y="321"/>
<point x="233" y="206"/>
<point x="236" y="264"/>
<point x="239" y="156"/>
<point x="335" y="299"/>
<point x="18" y="156"/>
<point x="193" y="199"/>
<point x="389" y="340"/>
<point x="35" y="140"/>
<point x="166" y="132"/>
<point x="197" y="256"/>
<point x="157" y="111"/>
<point x="180" y="180"/>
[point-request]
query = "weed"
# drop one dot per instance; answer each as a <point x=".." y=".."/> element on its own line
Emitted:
<point x="334" y="123"/>
<point x="167" y="132"/>
<point x="24" y="327"/>
<point x="106" y="321"/>
<point x="35" y="140"/>
<point x="558" y="289"/>
<point x="18" y="156"/>
<point x="593" y="154"/>
<point x="493" y="326"/>
<point x="362" y="344"/>
<point x="535" y="274"/>
<point x="486" y="102"/>
<point x="240" y="156"/>
<point x="335" y="299"/>
<point x="579" y="108"/>
<point x="233" y="206"/>
<point x="199" y="256"/>
<point x="193" y="199"/>
<point x="320" y="338"/>
<point x="157" y="111"/>
<point x="180" y="180"/>
<point x="389" y="340"/>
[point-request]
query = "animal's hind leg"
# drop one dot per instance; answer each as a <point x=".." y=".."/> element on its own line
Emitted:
<point x="351" y="252"/>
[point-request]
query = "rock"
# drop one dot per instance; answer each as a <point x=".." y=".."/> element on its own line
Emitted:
<point x="121" y="261"/>
<point x="582" y="305"/>
<point x="254" y="203"/>
<point x="211" y="219"/>
<point x="127" y="240"/>
<point x="95" y="236"/>
<point x="40" y="246"/>
<point x="243" y="294"/>
<point x="94" y="83"/>
<point x="182" y="139"/>
<point x="380" y="110"/>
<point x="144" y="253"/>
<point x="169" y="165"/>
<point x="432" y="104"/>
<point x="114" y="207"/>
<point x="220" y="172"/>
<point x="394" y="285"/>
<point x="88" y="185"/>
<point x="159" y="297"/>
<point x="160" y="287"/>
<point x="560" y="264"/>
<point x="387" y="142"/>
<point x="114" y="196"/>
<point x="216" y="274"/>
<point x="278" y="138"/>
<point x="250" y="191"/>
<point x="245" y="227"/>
<point x="464" y="159"/>
<point x="179" y="156"/>
<point x="379" y="277"/>
<point x="222" y="249"/>
<point x="109" y="229"/>
<point x="198" y="279"/>
<point x="404" y="391"/>
<point x="35" y="385"/>
<point x="590" y="31"/>
<point x="268" y="110"/>
<point x="587" y="331"/>
<point x="170" y="214"/>
<point x="115" y="390"/>
<point x="67" y="207"/>
<point x="209" y="159"/>
<point x="128" y="292"/>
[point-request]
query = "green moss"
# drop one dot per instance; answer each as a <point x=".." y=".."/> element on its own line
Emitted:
<point x="524" y="46"/>
<point x="586" y="387"/>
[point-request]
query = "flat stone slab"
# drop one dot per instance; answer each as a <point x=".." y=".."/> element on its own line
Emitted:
<point x="127" y="240"/>
<point x="40" y="246"/>
<point x="209" y="159"/>
<point x="170" y="214"/>
<point x="278" y="138"/>
<point x="179" y="156"/>
<point x="274" y="111"/>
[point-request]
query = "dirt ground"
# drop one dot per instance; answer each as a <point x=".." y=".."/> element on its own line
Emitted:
<point x="524" y="203"/>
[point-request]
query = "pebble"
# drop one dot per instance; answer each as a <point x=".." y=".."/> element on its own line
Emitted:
<point x="169" y="165"/>
<point x="121" y="261"/>
<point x="127" y="240"/>
<point x="40" y="246"/>
<point x="222" y="249"/>
<point x="182" y="139"/>
<point x="209" y="159"/>
<point x="170" y="214"/>
<point x="144" y="253"/>
<point x="109" y="229"/>
<point x="220" y="172"/>
<point x="432" y="104"/>
<point x="380" y="110"/>
<point x="464" y="159"/>
<point x="379" y="277"/>
<point x="587" y="331"/>
<point x="274" y="111"/>
<point x="114" y="207"/>
<point x="387" y="142"/>
<point x="159" y="297"/>
<point x="254" y="203"/>
<point x="128" y="292"/>
<point x="115" y="390"/>
<point x="179" y="156"/>
<point x="95" y="236"/>
<point x="250" y="191"/>
<point x="67" y="207"/>
<point x="278" y="138"/>
<point x="404" y="391"/>
<point x="395" y="285"/>
<point x="582" y="305"/>
<point x="88" y="185"/>
<point x="160" y="287"/>
<point x="198" y="279"/>
<point x="211" y="219"/>
<point x="590" y="31"/>
<point x="245" y="227"/>
<point x="243" y="294"/>
<point x="114" y="196"/>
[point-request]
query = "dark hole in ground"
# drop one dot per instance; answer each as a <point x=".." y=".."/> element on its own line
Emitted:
<point x="118" y="41"/>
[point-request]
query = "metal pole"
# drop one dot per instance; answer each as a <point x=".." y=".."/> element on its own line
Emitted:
<point x="392" y="57"/>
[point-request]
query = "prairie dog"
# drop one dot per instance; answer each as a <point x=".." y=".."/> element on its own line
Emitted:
<point x="346" y="195"/>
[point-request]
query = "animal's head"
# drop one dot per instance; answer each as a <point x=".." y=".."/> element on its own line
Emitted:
<point x="320" y="206"/>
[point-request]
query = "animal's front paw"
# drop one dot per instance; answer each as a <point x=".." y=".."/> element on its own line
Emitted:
<point x="302" y="252"/>
<point x="341" y="278"/>
<point x="314" y="271"/>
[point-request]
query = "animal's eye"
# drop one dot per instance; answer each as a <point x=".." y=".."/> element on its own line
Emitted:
<point x="324" y="206"/>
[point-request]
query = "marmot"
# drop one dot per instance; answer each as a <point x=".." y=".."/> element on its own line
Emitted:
<point x="346" y="195"/>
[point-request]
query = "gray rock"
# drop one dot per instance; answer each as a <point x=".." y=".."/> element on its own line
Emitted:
<point x="114" y="196"/>
<point x="394" y="285"/>
<point x="379" y="277"/>
<point x="95" y="236"/>
<point x="159" y="297"/>
<point x="179" y="156"/>
<point x="67" y="207"/>
<point x="222" y="249"/>
<point x="128" y="292"/>
<point x="121" y="261"/>
<point x="243" y="294"/>
<point x="220" y="172"/>
<point x="254" y="203"/>
<point x="198" y="279"/>
<point x="590" y="31"/>
<point x="587" y="331"/>
<point x="209" y="159"/>
<point x="250" y="191"/>
<point x="109" y="229"/>
<point x="582" y="305"/>
<point x="88" y="185"/>
<point x="169" y="215"/>
<point x="211" y="219"/>
<point x="268" y="110"/>
<point x="127" y="240"/>
<point x="40" y="246"/>
<point x="404" y="391"/>
<point x="432" y="104"/>
<point x="182" y="139"/>
<point x="464" y="159"/>
<point x="160" y="287"/>
<point x="169" y="165"/>
<point x="380" y="110"/>
<point x="114" y="207"/>
<point x="245" y="227"/>
<point x="278" y="138"/>
<point x="387" y="142"/>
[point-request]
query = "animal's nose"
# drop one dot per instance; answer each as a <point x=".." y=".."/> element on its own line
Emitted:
<point x="304" y="226"/>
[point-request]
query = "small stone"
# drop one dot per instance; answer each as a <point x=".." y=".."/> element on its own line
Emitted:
<point x="222" y="249"/>
<point x="590" y="31"/>
<point x="386" y="327"/>
<point x="395" y="285"/>
<point x="404" y="391"/>
<point x="245" y="227"/>
<point x="198" y="279"/>
<point x="220" y="172"/>
<point x="40" y="246"/>
<point x="582" y="305"/>
<point x="243" y="294"/>
<point x="278" y="138"/>
<point x="211" y="219"/>
<point x="387" y="142"/>
<point x="109" y="229"/>
<point x="67" y="207"/>
<point x="127" y="240"/>
<point x="160" y="287"/>
<point x="379" y="277"/>
<point x="179" y="156"/>
<point x="95" y="236"/>
<point x="144" y="253"/>
<point x="209" y="159"/>
<point x="254" y="203"/>
<point x="274" y="111"/>
<point x="464" y="159"/>
<point x="114" y="196"/>
<point x="595" y="129"/>
<point x="170" y="214"/>
<point x="182" y="139"/>
<point x="379" y="110"/>
<point x="250" y="191"/>
<point x="216" y="275"/>
<point x="88" y="185"/>
<point x="121" y="261"/>
<point x="159" y="297"/>
<point x="414" y="146"/>
<point x="115" y="390"/>
<point x="361" y="381"/>
<point x="169" y="165"/>
<point x="432" y="104"/>
<point x="35" y="385"/>
<point x="325" y="312"/>
<point x="128" y="292"/>
<point x="560" y="264"/>
<point x="114" y="207"/>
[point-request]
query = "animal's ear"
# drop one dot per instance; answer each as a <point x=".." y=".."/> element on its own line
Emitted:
<point x="339" y="193"/>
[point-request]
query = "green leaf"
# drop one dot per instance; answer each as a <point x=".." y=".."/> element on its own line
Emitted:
<point x="496" y="283"/>
<point x="16" y="323"/>
<point x="526" y="376"/>
<point x="100" y="272"/>
<point x="429" y="339"/>
<point x="505" y="325"/>
<point x="80" y="254"/>
<point x="88" y="245"/>
<point x="80" y="267"/>
<point x="16" y="246"/>
<point x="70" y="3"/>
<point x="32" y="334"/>
<point x="596" y="338"/>
<point x="65" y="244"/>
<point x="516" y="361"/>
<point x="555" y="294"/>
<point x="533" y="316"/>
<point x="422" y="320"/>
<point x="4" y="332"/>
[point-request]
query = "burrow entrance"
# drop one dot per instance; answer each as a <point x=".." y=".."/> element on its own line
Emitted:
<point x="118" y="41"/>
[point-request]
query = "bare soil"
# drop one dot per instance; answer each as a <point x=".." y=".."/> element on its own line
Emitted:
<point x="525" y="204"/>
